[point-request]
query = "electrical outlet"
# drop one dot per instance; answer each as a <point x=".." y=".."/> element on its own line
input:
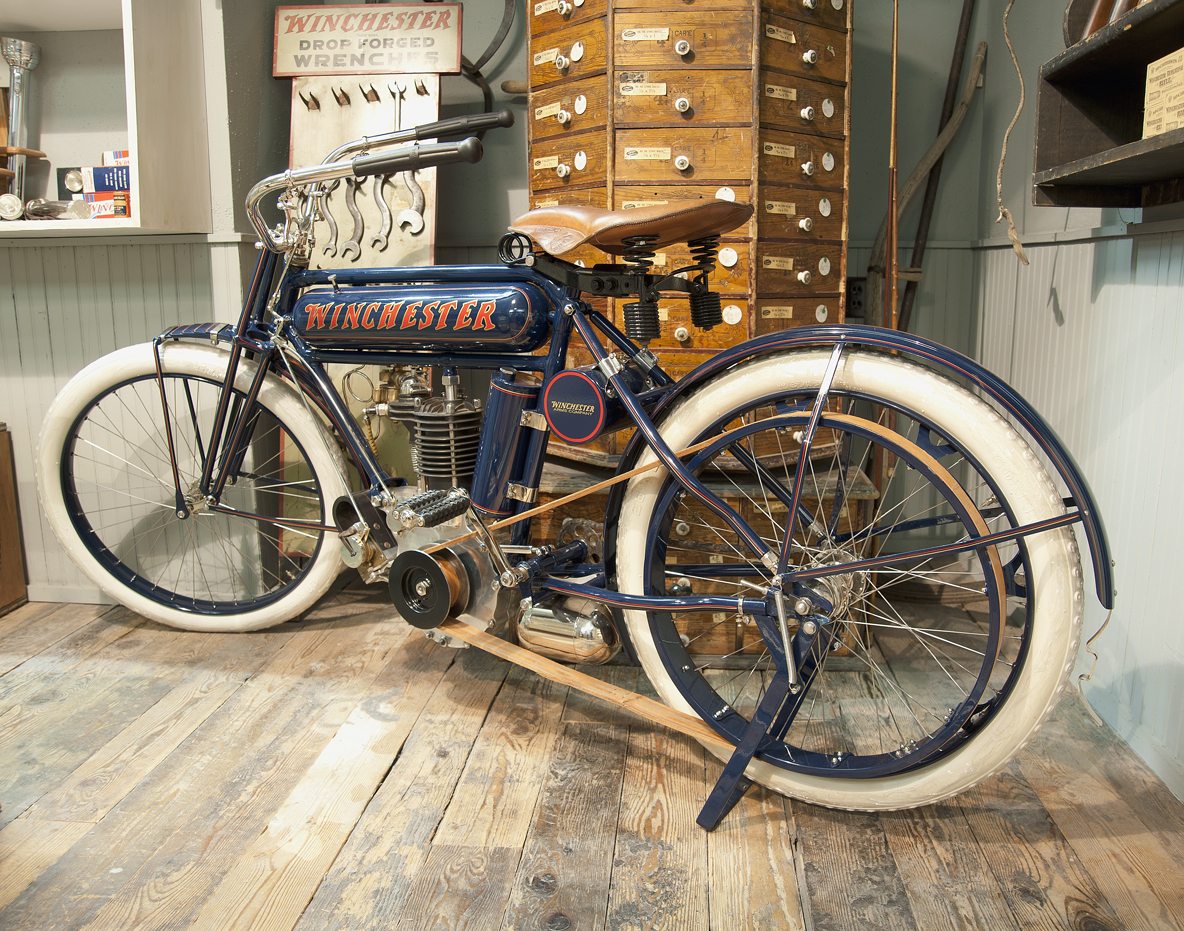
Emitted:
<point x="856" y="298"/>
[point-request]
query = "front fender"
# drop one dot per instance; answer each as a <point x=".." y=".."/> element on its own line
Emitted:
<point x="934" y="356"/>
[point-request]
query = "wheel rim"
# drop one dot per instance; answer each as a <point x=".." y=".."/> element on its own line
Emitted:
<point x="838" y="734"/>
<point x="118" y="489"/>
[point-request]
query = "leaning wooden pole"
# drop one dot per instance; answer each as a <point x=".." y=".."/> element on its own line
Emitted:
<point x="929" y="201"/>
<point x="890" y="262"/>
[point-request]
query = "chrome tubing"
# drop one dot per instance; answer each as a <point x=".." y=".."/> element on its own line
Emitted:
<point x="22" y="58"/>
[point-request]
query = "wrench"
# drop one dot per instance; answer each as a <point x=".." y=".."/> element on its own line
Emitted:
<point x="331" y="245"/>
<point x="413" y="216"/>
<point x="351" y="202"/>
<point x="384" y="210"/>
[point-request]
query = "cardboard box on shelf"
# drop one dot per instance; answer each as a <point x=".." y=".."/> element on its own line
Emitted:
<point x="1163" y="101"/>
<point x="109" y="205"/>
<point x="115" y="157"/>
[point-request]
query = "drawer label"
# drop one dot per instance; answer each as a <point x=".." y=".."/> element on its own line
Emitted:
<point x="782" y="207"/>
<point x="785" y="263"/>
<point x="643" y="90"/>
<point x="545" y="6"/>
<point x="653" y="153"/>
<point x="658" y="34"/>
<point x="776" y="148"/>
<point x="781" y="92"/>
<point x="547" y="161"/>
<point x="777" y="311"/>
<point x="541" y="113"/>
<point x="774" y="32"/>
<point x="634" y="204"/>
<point x="541" y="58"/>
<point x="554" y="202"/>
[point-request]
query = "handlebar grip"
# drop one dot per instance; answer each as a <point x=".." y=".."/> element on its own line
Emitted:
<point x="462" y="125"/>
<point x="419" y="156"/>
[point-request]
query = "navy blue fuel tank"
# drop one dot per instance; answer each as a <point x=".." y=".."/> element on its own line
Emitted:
<point x="488" y="318"/>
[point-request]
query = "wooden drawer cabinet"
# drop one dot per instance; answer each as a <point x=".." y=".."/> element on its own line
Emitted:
<point x="569" y="53"/>
<point x="801" y="214"/>
<point x="568" y="162"/>
<point x="803" y="49"/>
<point x="569" y="108"/>
<point x="546" y="15"/>
<point x="636" y="103"/>
<point x="666" y="154"/>
<point x="692" y="40"/>
<point x="800" y="104"/>
<point x="681" y="97"/>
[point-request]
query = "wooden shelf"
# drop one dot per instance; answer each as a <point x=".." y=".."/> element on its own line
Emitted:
<point x="1089" y="125"/>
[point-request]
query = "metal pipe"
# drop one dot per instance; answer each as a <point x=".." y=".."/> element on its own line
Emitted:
<point x="22" y="58"/>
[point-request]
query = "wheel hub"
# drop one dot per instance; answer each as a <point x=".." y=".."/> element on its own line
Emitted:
<point x="843" y="591"/>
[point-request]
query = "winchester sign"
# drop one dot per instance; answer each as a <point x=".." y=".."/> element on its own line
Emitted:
<point x="400" y="38"/>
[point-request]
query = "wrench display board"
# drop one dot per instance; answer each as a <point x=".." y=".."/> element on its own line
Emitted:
<point x="380" y="221"/>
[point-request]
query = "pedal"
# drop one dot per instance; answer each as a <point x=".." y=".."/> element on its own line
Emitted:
<point x="433" y="508"/>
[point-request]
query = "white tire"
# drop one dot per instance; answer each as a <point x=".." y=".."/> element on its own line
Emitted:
<point x="208" y="362"/>
<point x="1025" y="485"/>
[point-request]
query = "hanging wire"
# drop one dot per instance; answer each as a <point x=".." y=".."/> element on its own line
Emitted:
<point x="1004" y="213"/>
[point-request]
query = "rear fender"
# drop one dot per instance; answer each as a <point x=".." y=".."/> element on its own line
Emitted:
<point x="928" y="353"/>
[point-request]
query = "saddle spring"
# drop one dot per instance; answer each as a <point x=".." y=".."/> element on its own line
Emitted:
<point x="706" y="309"/>
<point x="641" y="316"/>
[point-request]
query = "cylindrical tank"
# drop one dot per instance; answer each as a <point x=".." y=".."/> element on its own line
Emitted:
<point x="499" y="460"/>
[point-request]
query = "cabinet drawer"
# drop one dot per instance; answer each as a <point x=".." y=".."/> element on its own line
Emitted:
<point x="701" y="40"/>
<point x="773" y="313"/>
<point x="797" y="158"/>
<point x="831" y="13"/>
<point x="801" y="104"/>
<point x="569" y="161"/>
<point x="682" y="97"/>
<point x="568" y="108"/>
<point x="805" y="267"/>
<point x="639" y="195"/>
<point x="800" y="214"/>
<point x="803" y="48"/>
<point x="725" y="279"/>
<point x="547" y="15"/>
<point x="698" y="154"/>
<point x="574" y="51"/>
<point x="676" y="322"/>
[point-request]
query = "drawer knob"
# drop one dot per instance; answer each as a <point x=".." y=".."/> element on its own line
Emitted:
<point x="682" y="105"/>
<point x="682" y="163"/>
<point x="682" y="334"/>
<point x="808" y="169"/>
<point x="562" y="170"/>
<point x="563" y="117"/>
<point x="562" y="62"/>
<point x="565" y="8"/>
<point x="808" y="114"/>
<point x="682" y="47"/>
<point x="810" y="56"/>
<point x="805" y="277"/>
<point x="806" y="4"/>
<point x="805" y="224"/>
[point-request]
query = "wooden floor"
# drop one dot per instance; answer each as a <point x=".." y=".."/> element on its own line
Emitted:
<point x="344" y="773"/>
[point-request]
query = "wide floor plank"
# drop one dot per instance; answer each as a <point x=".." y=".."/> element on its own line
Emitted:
<point x="342" y="772"/>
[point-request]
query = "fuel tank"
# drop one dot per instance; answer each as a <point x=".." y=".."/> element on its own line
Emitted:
<point x="490" y="318"/>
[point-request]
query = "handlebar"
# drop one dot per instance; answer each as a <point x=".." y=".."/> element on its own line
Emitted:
<point x="419" y="156"/>
<point x="441" y="129"/>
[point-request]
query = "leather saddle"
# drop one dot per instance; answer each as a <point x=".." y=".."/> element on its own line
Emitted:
<point x="560" y="229"/>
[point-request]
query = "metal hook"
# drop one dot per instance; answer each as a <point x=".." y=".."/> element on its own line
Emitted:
<point x="370" y="94"/>
<point x="421" y="88"/>
<point x="310" y="101"/>
<point x="341" y="96"/>
<point x="396" y="91"/>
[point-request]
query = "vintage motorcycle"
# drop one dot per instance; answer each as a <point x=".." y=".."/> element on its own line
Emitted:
<point x="875" y="528"/>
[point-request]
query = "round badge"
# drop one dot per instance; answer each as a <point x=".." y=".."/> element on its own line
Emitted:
<point x="733" y="314"/>
<point x="577" y="51"/>
<point x="725" y="193"/>
<point x="824" y="266"/>
<point x="824" y="206"/>
<point x="828" y="161"/>
<point x="828" y="108"/>
<point x="581" y="160"/>
<point x="580" y="104"/>
<point x="728" y="257"/>
<point x="821" y="313"/>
